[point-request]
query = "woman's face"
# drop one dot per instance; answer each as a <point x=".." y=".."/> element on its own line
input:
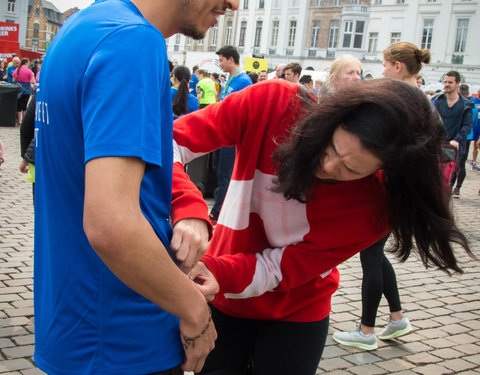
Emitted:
<point x="390" y="70"/>
<point x="346" y="160"/>
<point x="350" y="73"/>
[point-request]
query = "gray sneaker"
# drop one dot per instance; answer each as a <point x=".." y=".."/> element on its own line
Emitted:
<point x="394" y="330"/>
<point x="356" y="339"/>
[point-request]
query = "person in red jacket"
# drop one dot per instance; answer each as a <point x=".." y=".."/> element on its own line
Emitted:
<point x="313" y="185"/>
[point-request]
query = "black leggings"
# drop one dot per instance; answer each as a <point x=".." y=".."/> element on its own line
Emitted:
<point x="378" y="278"/>
<point x="259" y="347"/>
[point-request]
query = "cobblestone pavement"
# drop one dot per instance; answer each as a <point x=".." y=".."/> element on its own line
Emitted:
<point x="444" y="310"/>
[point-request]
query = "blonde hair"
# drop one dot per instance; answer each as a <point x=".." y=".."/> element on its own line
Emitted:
<point x="408" y="54"/>
<point x="339" y="64"/>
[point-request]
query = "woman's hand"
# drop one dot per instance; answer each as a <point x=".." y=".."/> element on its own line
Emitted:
<point x="205" y="281"/>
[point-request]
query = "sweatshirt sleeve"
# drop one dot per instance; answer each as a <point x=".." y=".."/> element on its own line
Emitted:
<point x="242" y="275"/>
<point x="197" y="134"/>
<point x="466" y="125"/>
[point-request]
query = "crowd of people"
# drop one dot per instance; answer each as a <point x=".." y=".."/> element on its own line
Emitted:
<point x="133" y="273"/>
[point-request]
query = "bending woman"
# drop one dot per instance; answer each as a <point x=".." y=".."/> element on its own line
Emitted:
<point x="401" y="61"/>
<point x="312" y="186"/>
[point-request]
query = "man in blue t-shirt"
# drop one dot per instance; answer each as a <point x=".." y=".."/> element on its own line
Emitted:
<point x="11" y="68"/>
<point x="110" y="294"/>
<point x="229" y="60"/>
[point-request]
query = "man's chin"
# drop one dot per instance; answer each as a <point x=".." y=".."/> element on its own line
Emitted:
<point x="193" y="33"/>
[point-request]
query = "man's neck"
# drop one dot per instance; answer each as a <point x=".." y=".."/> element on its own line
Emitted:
<point x="233" y="70"/>
<point x="452" y="96"/>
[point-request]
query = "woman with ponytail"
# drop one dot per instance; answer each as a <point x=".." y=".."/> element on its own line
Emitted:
<point x="401" y="61"/>
<point x="182" y="101"/>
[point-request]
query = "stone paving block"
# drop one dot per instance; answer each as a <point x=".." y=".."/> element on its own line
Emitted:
<point x="447" y="353"/>
<point x="24" y="340"/>
<point x="6" y="343"/>
<point x="463" y="339"/>
<point x="15" y="321"/>
<point x="390" y="352"/>
<point x="333" y="351"/>
<point x="336" y="372"/>
<point x="432" y="370"/>
<point x="12" y="331"/>
<point x="459" y="364"/>
<point x="440" y="343"/>
<point x="431" y="333"/>
<point x="26" y="311"/>
<point x="22" y="303"/>
<point x="395" y="365"/>
<point x="36" y="371"/>
<point x="421" y="359"/>
<point x="334" y="364"/>
<point x="362" y="358"/>
<point x="19" y="351"/>
<point x="473" y="358"/>
<point x="425" y="323"/>
<point x="15" y="364"/>
<point x="369" y="369"/>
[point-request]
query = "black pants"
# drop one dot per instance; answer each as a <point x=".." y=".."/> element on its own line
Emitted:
<point x="378" y="278"/>
<point x="460" y="176"/>
<point x="259" y="347"/>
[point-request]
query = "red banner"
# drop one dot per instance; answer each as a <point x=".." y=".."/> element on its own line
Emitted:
<point x="8" y="32"/>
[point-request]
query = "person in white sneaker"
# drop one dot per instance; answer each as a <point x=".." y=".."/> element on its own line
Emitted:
<point x="402" y="61"/>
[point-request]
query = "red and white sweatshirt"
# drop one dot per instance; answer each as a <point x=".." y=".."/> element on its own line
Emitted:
<point x="275" y="259"/>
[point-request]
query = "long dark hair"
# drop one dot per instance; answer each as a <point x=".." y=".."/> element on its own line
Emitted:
<point x="23" y="62"/>
<point x="179" y="103"/>
<point x="395" y="122"/>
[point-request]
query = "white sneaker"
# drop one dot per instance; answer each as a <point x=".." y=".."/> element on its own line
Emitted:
<point x="356" y="339"/>
<point x="394" y="330"/>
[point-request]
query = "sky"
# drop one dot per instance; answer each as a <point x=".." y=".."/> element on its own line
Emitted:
<point x="64" y="5"/>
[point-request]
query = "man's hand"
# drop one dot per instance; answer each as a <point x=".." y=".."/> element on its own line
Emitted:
<point x="455" y="144"/>
<point x="205" y="281"/>
<point x="198" y="341"/>
<point x="23" y="166"/>
<point x="189" y="242"/>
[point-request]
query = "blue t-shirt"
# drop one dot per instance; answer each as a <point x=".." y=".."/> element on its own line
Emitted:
<point x="192" y="101"/>
<point x="193" y="83"/>
<point x="10" y="71"/>
<point x="89" y="105"/>
<point x="236" y="84"/>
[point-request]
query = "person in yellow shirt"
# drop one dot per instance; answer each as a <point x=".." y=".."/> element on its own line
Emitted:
<point x="205" y="89"/>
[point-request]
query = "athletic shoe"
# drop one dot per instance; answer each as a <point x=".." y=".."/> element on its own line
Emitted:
<point x="394" y="330"/>
<point x="456" y="193"/>
<point x="356" y="339"/>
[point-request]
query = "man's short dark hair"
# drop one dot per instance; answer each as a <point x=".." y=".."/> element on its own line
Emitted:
<point x="455" y="74"/>
<point x="296" y="68"/>
<point x="195" y="68"/>
<point x="306" y="79"/>
<point x="229" y="51"/>
<point x="463" y="90"/>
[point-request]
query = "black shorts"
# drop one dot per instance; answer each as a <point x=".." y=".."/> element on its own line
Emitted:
<point x="22" y="103"/>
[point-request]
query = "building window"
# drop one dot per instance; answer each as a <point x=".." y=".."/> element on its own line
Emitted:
<point x="213" y="41"/>
<point x="11" y="6"/>
<point x="177" y="39"/>
<point x="292" y="31"/>
<point x="276" y="4"/>
<point x="36" y="28"/>
<point x="400" y="1"/>
<point x="261" y="4"/>
<point x="37" y="11"/>
<point x="353" y="34"/>
<point x="395" y="37"/>
<point x="258" y="34"/>
<point x="431" y="1"/>
<point x="318" y="3"/>
<point x="333" y="34"/>
<point x="377" y="2"/>
<point x="461" y="38"/>
<point x="372" y="42"/>
<point x="228" y="33"/>
<point x="188" y="41"/>
<point x="337" y="3"/>
<point x="200" y="42"/>
<point x="243" y="30"/>
<point x="427" y="34"/>
<point x="275" y="27"/>
<point x="315" y="33"/>
<point x="245" y="4"/>
<point x="293" y="3"/>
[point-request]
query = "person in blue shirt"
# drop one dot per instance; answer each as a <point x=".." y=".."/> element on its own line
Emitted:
<point x="11" y="68"/>
<point x="182" y="100"/>
<point x="111" y="290"/>
<point x="229" y="60"/>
